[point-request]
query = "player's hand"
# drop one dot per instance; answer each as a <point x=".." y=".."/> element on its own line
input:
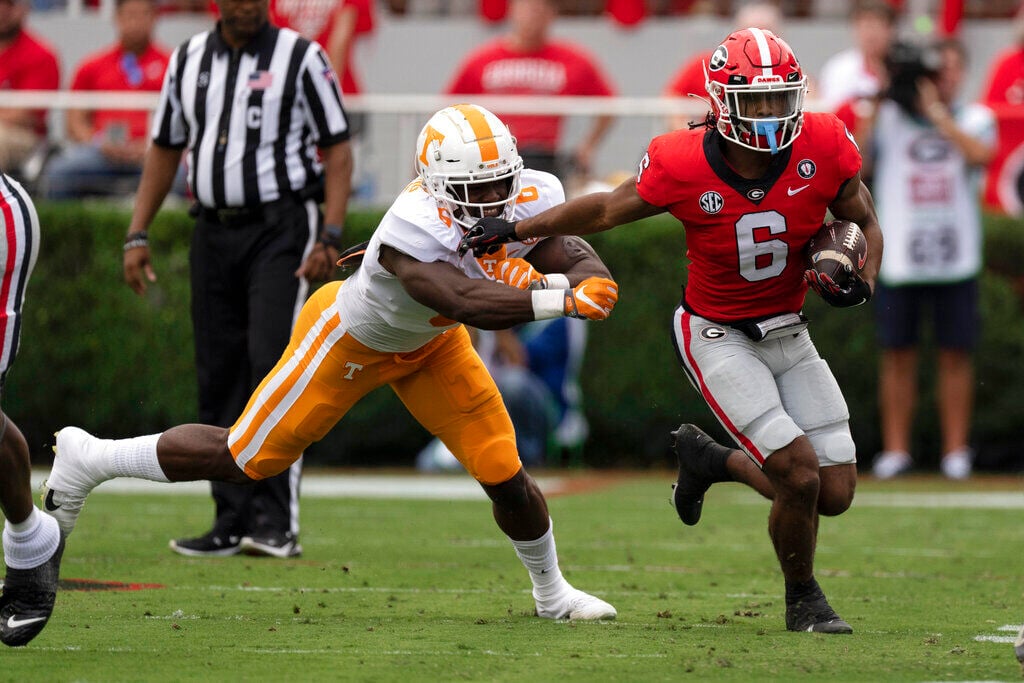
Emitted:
<point x="853" y="292"/>
<point x="487" y="236"/>
<point x="138" y="269"/>
<point x="518" y="273"/>
<point x="592" y="299"/>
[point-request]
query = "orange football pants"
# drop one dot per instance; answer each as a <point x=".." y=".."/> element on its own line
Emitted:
<point x="325" y="371"/>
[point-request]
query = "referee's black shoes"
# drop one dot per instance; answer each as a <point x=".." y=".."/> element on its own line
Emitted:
<point x="281" y="544"/>
<point x="211" y="544"/>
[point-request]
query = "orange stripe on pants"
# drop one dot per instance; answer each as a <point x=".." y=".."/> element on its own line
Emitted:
<point x="325" y="371"/>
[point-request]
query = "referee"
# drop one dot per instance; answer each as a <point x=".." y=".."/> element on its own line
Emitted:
<point x="251" y="104"/>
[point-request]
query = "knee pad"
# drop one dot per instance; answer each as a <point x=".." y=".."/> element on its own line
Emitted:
<point x="834" y="444"/>
<point x="771" y="431"/>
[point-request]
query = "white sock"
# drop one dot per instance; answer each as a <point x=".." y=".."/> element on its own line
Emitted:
<point x="136" y="457"/>
<point x="30" y="543"/>
<point x="541" y="559"/>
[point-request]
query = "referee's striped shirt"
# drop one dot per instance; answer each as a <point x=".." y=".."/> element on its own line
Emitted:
<point x="251" y="118"/>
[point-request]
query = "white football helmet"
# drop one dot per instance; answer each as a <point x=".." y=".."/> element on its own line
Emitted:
<point x="462" y="146"/>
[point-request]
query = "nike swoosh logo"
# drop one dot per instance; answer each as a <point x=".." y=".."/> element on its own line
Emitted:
<point x="790" y="191"/>
<point x="15" y="622"/>
<point x="48" y="504"/>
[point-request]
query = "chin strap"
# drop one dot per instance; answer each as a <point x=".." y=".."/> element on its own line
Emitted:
<point x="768" y="129"/>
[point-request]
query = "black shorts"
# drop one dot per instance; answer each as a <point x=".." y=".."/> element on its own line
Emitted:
<point x="900" y="313"/>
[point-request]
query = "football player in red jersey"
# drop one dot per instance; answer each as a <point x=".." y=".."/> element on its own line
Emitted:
<point x="751" y="188"/>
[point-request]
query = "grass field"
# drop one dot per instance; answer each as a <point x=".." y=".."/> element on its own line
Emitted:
<point x="930" y="574"/>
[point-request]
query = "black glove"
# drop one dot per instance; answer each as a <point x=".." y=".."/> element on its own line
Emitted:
<point x="853" y="292"/>
<point x="487" y="235"/>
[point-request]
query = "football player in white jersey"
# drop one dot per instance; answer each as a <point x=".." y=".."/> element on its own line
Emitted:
<point x="398" y="321"/>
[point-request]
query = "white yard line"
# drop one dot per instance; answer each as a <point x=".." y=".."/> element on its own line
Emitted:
<point x="401" y="486"/>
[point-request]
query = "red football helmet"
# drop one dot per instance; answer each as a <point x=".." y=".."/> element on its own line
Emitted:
<point x="757" y="89"/>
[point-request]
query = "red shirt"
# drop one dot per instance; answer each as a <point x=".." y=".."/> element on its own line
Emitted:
<point x="28" y="63"/>
<point x="1006" y="81"/>
<point x="689" y="78"/>
<point x="112" y="69"/>
<point x="555" y="69"/>
<point x="745" y="238"/>
<point x="315" y="19"/>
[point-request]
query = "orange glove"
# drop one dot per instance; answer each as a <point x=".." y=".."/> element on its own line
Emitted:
<point x="516" y="272"/>
<point x="592" y="299"/>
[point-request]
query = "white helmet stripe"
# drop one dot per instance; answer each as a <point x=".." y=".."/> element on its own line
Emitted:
<point x="762" y="47"/>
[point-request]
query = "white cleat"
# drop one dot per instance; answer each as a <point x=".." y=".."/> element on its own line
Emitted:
<point x="75" y="473"/>
<point x="577" y="605"/>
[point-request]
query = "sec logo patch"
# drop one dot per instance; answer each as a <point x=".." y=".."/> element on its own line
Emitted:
<point x="806" y="169"/>
<point x="711" y="202"/>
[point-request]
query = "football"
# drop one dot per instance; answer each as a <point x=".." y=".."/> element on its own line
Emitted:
<point x="837" y="250"/>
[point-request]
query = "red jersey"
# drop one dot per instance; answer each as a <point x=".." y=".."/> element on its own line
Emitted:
<point x="1006" y="82"/>
<point x="745" y="238"/>
<point x="115" y="69"/>
<point x="315" y="19"/>
<point x="28" y="63"/>
<point x="555" y="69"/>
<point x="690" y="78"/>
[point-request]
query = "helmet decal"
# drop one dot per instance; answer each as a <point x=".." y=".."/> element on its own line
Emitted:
<point x="719" y="58"/>
<point x="467" y="160"/>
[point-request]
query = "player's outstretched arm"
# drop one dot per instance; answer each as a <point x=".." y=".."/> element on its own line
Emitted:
<point x="493" y="305"/>
<point x="595" y="212"/>
<point x="570" y="255"/>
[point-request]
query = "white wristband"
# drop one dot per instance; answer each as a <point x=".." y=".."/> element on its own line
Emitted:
<point x="548" y="303"/>
<point x="556" y="281"/>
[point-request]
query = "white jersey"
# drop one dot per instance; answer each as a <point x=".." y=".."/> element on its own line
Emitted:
<point x="374" y="306"/>
<point x="927" y="197"/>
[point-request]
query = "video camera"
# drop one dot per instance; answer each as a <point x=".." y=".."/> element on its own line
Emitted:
<point x="907" y="62"/>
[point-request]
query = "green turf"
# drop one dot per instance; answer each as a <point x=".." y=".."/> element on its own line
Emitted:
<point x="392" y="590"/>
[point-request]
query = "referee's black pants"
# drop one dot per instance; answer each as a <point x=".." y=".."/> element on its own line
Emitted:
<point x="245" y="298"/>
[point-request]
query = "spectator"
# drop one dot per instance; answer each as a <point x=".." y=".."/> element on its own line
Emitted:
<point x="536" y="367"/>
<point x="528" y="61"/>
<point x="32" y="542"/>
<point x="26" y="63"/>
<point x="1004" y="94"/>
<point x="108" y="144"/>
<point x="336" y="25"/>
<point x="398" y="321"/>
<point x="259" y="237"/>
<point x="927" y="150"/>
<point x="689" y="79"/>
<point x="856" y="73"/>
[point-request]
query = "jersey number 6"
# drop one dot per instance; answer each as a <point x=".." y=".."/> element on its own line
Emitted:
<point x="761" y="258"/>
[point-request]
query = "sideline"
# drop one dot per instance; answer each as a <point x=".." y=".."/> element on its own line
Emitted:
<point x="408" y="484"/>
<point x="322" y="485"/>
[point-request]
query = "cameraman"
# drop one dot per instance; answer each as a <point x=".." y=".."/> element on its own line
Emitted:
<point x="927" y="152"/>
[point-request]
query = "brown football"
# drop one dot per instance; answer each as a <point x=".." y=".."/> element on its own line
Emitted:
<point x="837" y="250"/>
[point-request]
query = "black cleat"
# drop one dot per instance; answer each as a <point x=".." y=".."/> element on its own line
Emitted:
<point x="281" y="544"/>
<point x="813" y="614"/>
<point x="210" y="544"/>
<point x="696" y="471"/>
<point x="27" y="600"/>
